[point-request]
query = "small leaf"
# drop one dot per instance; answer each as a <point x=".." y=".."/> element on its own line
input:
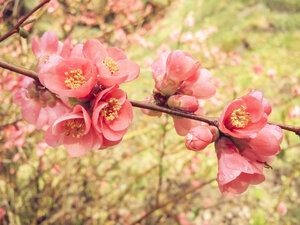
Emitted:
<point x="23" y="33"/>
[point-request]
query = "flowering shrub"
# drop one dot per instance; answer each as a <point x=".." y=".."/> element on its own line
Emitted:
<point x="76" y="96"/>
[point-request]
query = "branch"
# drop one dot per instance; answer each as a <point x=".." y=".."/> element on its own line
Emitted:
<point x="16" y="28"/>
<point x="173" y="200"/>
<point x="213" y="121"/>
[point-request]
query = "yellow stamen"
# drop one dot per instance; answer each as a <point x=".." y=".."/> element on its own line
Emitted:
<point x="240" y="118"/>
<point x="110" y="111"/>
<point x="75" y="127"/>
<point x="111" y="64"/>
<point x="74" y="79"/>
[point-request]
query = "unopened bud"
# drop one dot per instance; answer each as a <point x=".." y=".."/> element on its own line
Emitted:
<point x="198" y="138"/>
<point x="183" y="102"/>
<point x="23" y="33"/>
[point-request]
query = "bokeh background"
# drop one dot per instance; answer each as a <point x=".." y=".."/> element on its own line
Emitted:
<point x="246" y="44"/>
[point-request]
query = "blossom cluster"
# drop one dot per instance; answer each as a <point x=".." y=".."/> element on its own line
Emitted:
<point x="245" y="143"/>
<point x="78" y="99"/>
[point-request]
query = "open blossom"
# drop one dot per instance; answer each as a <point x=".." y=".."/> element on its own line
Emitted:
<point x="39" y="107"/>
<point x="13" y="137"/>
<point x="112" y="114"/>
<point x="72" y="77"/>
<point x="267" y="142"/>
<point x="49" y="46"/>
<point x="112" y="63"/>
<point x="171" y="69"/>
<point x="74" y="130"/>
<point x="246" y="116"/>
<point x="235" y="172"/>
<point x="199" y="85"/>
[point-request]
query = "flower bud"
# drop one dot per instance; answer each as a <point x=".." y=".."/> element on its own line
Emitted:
<point x="183" y="102"/>
<point x="198" y="138"/>
<point x="23" y="33"/>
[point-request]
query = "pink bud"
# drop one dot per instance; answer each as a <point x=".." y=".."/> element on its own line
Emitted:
<point x="198" y="138"/>
<point x="282" y="209"/>
<point x="183" y="102"/>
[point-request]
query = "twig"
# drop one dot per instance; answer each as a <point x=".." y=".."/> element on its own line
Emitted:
<point x="16" y="28"/>
<point x="173" y="200"/>
<point x="209" y="120"/>
<point x="161" y="156"/>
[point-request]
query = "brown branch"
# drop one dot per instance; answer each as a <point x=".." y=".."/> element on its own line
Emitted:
<point x="19" y="69"/>
<point x="173" y="200"/>
<point x="16" y="28"/>
<point x="209" y="120"/>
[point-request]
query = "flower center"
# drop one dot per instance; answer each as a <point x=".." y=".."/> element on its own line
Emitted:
<point x="110" y="111"/>
<point x="75" y="127"/>
<point x="111" y="64"/>
<point x="240" y="118"/>
<point x="74" y="79"/>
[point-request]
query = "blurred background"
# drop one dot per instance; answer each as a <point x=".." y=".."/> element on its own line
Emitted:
<point x="246" y="44"/>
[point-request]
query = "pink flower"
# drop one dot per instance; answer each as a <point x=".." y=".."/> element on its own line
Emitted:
<point x="49" y="48"/>
<point x="294" y="112"/>
<point x="235" y="173"/>
<point x="39" y="107"/>
<point x="267" y="142"/>
<point x="171" y="69"/>
<point x="183" y="102"/>
<point x="56" y="169"/>
<point x="184" y="125"/>
<point x="112" y="114"/>
<point x="282" y="209"/>
<point x="199" y="137"/>
<point x="13" y="137"/>
<point x="72" y="77"/>
<point x="113" y="65"/>
<point x="190" y="21"/>
<point x="199" y="85"/>
<point x="75" y="132"/>
<point x="272" y="73"/>
<point x="246" y="116"/>
<point x="2" y="213"/>
<point x="258" y="68"/>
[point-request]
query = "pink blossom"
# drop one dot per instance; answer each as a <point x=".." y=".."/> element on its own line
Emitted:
<point x="235" y="173"/>
<point x="199" y="85"/>
<point x="282" y="209"/>
<point x="171" y="69"/>
<point x="13" y="137"/>
<point x="113" y="65"/>
<point x="190" y="21"/>
<point x="199" y="137"/>
<point x="294" y="112"/>
<point x="75" y="132"/>
<point x="72" y="77"/>
<point x="41" y="148"/>
<point x="49" y="47"/>
<point x="258" y="68"/>
<point x="183" y="102"/>
<point x="2" y="213"/>
<point x="187" y="37"/>
<point x="112" y="114"/>
<point x="38" y="106"/>
<point x="184" y="125"/>
<point x="246" y="116"/>
<point x="175" y="35"/>
<point x="56" y="169"/>
<point x="272" y="73"/>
